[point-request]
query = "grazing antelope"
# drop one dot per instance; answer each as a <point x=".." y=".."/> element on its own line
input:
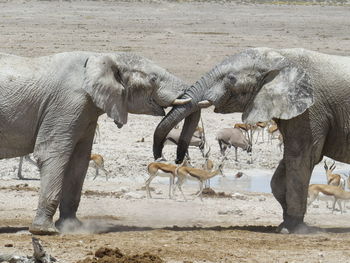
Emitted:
<point x="228" y="137"/>
<point x="197" y="140"/>
<point x="183" y="173"/>
<point x="159" y="168"/>
<point x="330" y="190"/>
<point x="248" y="129"/>
<point x="97" y="162"/>
<point x="27" y="158"/>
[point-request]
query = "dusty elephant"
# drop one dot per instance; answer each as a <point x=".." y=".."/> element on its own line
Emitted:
<point x="307" y="94"/>
<point x="50" y="106"/>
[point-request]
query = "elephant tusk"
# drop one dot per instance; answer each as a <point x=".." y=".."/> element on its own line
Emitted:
<point x="181" y="101"/>
<point x="204" y="104"/>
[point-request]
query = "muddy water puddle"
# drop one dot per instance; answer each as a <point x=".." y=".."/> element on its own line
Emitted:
<point x="258" y="180"/>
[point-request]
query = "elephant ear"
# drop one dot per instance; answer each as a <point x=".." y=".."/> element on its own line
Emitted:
<point x="104" y="83"/>
<point x="285" y="94"/>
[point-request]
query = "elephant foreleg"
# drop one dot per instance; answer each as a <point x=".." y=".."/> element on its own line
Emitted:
<point x="73" y="183"/>
<point x="298" y="173"/>
<point x="52" y="173"/>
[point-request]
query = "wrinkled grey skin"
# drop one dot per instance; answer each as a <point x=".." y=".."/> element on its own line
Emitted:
<point x="50" y="106"/>
<point x="307" y="94"/>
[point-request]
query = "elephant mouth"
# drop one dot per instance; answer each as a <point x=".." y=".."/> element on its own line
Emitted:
<point x="221" y="110"/>
<point x="159" y="110"/>
<point x="207" y="103"/>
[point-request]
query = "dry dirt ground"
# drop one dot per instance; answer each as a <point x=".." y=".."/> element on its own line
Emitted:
<point x="188" y="38"/>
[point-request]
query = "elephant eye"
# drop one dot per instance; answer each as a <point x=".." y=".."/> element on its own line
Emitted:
<point x="153" y="78"/>
<point x="232" y="78"/>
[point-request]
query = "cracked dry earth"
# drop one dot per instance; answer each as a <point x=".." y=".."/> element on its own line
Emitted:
<point x="188" y="38"/>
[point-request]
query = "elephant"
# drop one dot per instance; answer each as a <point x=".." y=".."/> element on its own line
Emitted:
<point x="50" y="105"/>
<point x="305" y="92"/>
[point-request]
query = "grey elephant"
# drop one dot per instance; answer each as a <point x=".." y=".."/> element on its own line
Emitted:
<point x="308" y="95"/>
<point x="50" y="106"/>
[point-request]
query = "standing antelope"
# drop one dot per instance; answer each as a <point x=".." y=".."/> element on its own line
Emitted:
<point x="330" y="190"/>
<point x="208" y="165"/>
<point x="260" y="127"/>
<point x="158" y="168"/>
<point x="183" y="173"/>
<point x="98" y="163"/>
<point x="228" y="137"/>
<point x="333" y="179"/>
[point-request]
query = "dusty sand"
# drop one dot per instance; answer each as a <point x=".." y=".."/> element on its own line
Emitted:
<point x="188" y="38"/>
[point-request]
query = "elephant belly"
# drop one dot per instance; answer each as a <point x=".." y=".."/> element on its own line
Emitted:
<point x="338" y="148"/>
<point x="13" y="143"/>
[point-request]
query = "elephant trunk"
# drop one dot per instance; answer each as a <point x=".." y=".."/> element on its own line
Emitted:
<point x="190" y="111"/>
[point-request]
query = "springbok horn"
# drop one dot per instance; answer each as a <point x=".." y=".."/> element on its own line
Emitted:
<point x="204" y="104"/>
<point x="325" y="165"/>
<point x="181" y="101"/>
<point x="333" y="165"/>
<point x="208" y="151"/>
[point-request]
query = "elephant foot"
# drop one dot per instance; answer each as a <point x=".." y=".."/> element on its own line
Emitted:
<point x="43" y="225"/>
<point x="67" y="225"/>
<point x="293" y="224"/>
<point x="36" y="229"/>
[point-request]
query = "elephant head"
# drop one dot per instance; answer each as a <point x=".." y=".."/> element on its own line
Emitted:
<point x="125" y="83"/>
<point x="261" y="83"/>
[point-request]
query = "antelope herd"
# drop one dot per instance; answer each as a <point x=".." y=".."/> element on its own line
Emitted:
<point x="238" y="136"/>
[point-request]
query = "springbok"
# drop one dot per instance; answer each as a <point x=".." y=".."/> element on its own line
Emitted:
<point x="208" y="165"/>
<point x="272" y="130"/>
<point x="329" y="190"/>
<point x="333" y="179"/>
<point x="228" y="137"/>
<point x="183" y="173"/>
<point x="159" y="168"/>
<point x="260" y="128"/>
<point x="97" y="162"/>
